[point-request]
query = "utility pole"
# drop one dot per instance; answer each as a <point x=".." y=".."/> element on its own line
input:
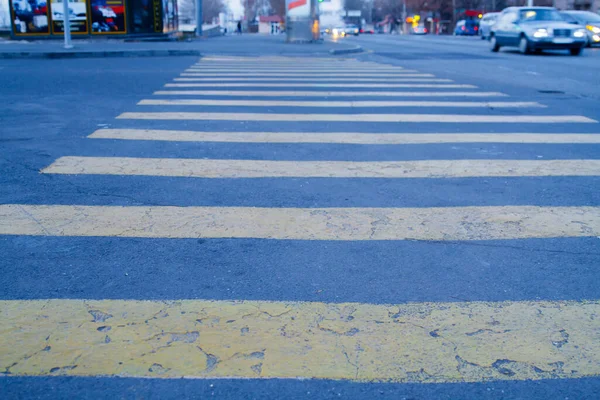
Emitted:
<point x="453" y="16"/>
<point x="404" y="27"/>
<point x="199" y="18"/>
<point x="67" y="25"/>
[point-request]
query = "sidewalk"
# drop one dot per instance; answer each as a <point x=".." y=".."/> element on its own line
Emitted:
<point x="231" y="44"/>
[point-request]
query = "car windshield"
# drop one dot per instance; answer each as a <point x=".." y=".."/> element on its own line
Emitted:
<point x="588" y="17"/>
<point x="540" y="15"/>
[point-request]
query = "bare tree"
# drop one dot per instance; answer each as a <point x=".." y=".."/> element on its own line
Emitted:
<point x="210" y="10"/>
<point x="278" y="7"/>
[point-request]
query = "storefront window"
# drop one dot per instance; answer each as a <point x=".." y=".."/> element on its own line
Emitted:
<point x="77" y="16"/>
<point x="29" y="17"/>
<point x="108" y="16"/>
<point x="142" y="18"/>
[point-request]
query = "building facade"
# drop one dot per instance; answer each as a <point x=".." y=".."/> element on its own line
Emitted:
<point x="43" y="18"/>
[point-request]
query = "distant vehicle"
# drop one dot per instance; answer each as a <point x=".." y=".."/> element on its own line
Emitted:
<point x="536" y="29"/>
<point x="419" y="30"/>
<point x="486" y="23"/>
<point x="352" y="30"/>
<point x="339" y="31"/>
<point x="587" y="20"/>
<point x="466" y="27"/>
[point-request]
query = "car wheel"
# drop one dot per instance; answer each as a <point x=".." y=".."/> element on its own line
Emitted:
<point x="576" y="52"/>
<point x="524" y="46"/>
<point x="494" y="44"/>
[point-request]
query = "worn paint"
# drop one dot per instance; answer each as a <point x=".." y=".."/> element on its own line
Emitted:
<point x="313" y="79"/>
<point x="337" y="103"/>
<point x="448" y="223"/>
<point x="405" y="72"/>
<point x="364" y="118"/>
<point x="296" y="69"/>
<point x="316" y="85"/>
<point x="421" y="342"/>
<point x="342" y="137"/>
<point x="307" y="93"/>
<point x="211" y="168"/>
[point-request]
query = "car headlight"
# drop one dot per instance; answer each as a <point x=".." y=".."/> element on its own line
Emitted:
<point x="579" y="33"/>
<point x="540" y="33"/>
<point x="592" y="28"/>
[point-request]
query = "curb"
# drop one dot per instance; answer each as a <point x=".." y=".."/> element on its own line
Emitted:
<point x="97" y="54"/>
<point x="356" y="49"/>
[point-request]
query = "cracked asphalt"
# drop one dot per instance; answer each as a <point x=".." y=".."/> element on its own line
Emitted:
<point x="462" y="280"/>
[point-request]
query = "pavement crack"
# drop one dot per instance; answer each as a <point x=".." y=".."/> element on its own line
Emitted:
<point x="212" y="361"/>
<point x="38" y="222"/>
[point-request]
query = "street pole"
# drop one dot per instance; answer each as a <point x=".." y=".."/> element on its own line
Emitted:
<point x="199" y="18"/>
<point x="453" y="16"/>
<point x="404" y="16"/>
<point x="67" y="25"/>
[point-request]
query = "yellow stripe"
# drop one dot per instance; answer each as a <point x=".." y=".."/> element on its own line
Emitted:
<point x="415" y="342"/>
<point x="451" y="223"/>
<point x="405" y="72"/>
<point x="263" y="93"/>
<point x="315" y="85"/>
<point x="211" y="168"/>
<point x="442" y="118"/>
<point x="347" y="138"/>
<point x="313" y="79"/>
<point x="333" y="103"/>
<point x="299" y="61"/>
<point x="297" y="65"/>
<point x="294" y="69"/>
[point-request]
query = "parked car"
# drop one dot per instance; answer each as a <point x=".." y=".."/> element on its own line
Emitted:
<point x="486" y="23"/>
<point x="352" y="30"/>
<point x="466" y="27"/>
<point x="419" y="30"/>
<point x="536" y="29"/>
<point x="587" y="20"/>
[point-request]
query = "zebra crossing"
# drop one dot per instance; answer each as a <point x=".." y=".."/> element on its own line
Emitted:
<point x="421" y="342"/>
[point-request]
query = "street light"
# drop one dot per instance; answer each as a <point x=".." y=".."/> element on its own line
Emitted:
<point x="67" y="25"/>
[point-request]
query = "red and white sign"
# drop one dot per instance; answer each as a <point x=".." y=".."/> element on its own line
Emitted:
<point x="298" y="8"/>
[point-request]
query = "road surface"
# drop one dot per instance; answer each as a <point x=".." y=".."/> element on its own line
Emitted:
<point x="418" y="221"/>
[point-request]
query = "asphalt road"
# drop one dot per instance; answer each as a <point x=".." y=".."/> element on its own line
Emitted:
<point x="523" y="282"/>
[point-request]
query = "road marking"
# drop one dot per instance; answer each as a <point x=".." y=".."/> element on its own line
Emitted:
<point x="300" y="61"/>
<point x="288" y="103"/>
<point x="306" y="74"/>
<point x="450" y="223"/>
<point x="262" y="93"/>
<point x="304" y="70"/>
<point x="315" y="85"/>
<point x="341" y="67"/>
<point x="440" y="118"/>
<point x="212" y="168"/>
<point x="313" y="79"/>
<point x="343" y="138"/>
<point x="414" y="342"/>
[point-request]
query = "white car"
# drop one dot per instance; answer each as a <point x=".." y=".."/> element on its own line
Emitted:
<point x="486" y="23"/>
